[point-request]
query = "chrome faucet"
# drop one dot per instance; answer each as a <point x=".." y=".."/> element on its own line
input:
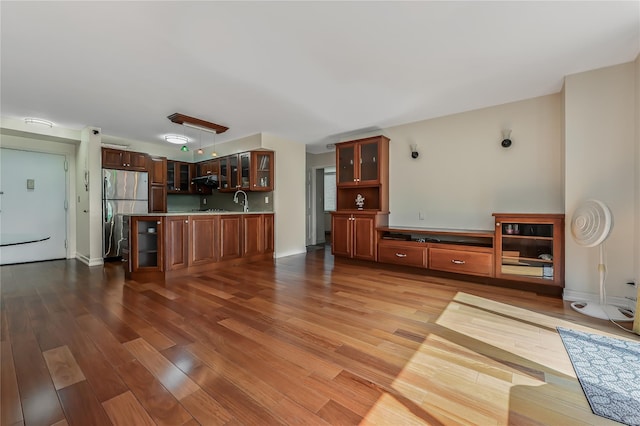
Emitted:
<point x="246" y="200"/>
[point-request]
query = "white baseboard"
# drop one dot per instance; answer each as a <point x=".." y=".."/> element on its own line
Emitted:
<point x="290" y="253"/>
<point x="581" y="296"/>
<point x="89" y="262"/>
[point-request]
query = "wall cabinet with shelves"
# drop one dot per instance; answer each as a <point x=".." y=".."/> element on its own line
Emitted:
<point x="179" y="175"/>
<point x="362" y="167"/>
<point x="530" y="247"/>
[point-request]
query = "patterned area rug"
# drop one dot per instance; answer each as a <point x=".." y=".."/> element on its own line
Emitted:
<point x="609" y="372"/>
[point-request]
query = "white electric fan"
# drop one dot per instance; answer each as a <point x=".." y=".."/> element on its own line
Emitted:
<point x="590" y="226"/>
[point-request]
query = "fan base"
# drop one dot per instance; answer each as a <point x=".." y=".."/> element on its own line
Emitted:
<point x="606" y="312"/>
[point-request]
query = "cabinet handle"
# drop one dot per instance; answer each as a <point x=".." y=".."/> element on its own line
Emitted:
<point x="401" y="255"/>
<point x="186" y="221"/>
<point x="458" y="262"/>
<point x="158" y="223"/>
<point x="497" y="223"/>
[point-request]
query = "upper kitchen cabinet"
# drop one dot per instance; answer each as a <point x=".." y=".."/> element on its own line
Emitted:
<point x="262" y="168"/>
<point x="179" y="175"/>
<point x="206" y="168"/>
<point x="362" y="174"/>
<point x="228" y="178"/>
<point x="123" y="160"/>
<point x="157" y="184"/>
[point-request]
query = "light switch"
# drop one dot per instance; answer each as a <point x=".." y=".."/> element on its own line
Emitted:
<point x="31" y="184"/>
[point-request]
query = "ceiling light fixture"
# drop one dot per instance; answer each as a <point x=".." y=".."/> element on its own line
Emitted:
<point x="184" y="148"/>
<point x="177" y="139"/>
<point x="214" y="153"/>
<point x="196" y="123"/>
<point x="38" y="121"/>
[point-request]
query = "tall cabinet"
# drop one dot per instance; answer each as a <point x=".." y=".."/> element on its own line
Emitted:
<point x="362" y="196"/>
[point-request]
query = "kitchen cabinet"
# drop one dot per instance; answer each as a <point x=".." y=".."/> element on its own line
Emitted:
<point x="124" y="160"/>
<point x="228" y="178"/>
<point x="179" y="175"/>
<point x="176" y="242"/>
<point x="157" y="184"/>
<point x="354" y="235"/>
<point x="269" y="233"/>
<point x="230" y="237"/>
<point x="203" y="239"/>
<point x="530" y="247"/>
<point x="362" y="168"/>
<point x="248" y="171"/>
<point x="206" y="168"/>
<point x="145" y="244"/>
<point x="261" y="172"/>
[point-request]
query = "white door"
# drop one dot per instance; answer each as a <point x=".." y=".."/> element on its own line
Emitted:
<point x="33" y="215"/>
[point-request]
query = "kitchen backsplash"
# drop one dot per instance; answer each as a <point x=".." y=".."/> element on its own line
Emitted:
<point x="224" y="201"/>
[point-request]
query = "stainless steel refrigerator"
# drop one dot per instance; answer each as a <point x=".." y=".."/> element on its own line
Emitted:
<point x="123" y="193"/>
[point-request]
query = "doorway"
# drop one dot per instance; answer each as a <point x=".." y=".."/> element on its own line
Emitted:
<point x="33" y="206"/>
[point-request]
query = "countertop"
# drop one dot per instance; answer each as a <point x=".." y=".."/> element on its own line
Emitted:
<point x="196" y="213"/>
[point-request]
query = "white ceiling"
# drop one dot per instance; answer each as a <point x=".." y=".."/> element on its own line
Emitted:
<point x="312" y="72"/>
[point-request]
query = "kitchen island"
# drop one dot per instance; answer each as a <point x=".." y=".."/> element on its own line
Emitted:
<point x="161" y="245"/>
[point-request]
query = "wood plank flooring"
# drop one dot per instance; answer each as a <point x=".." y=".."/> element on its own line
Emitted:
<point x="306" y="339"/>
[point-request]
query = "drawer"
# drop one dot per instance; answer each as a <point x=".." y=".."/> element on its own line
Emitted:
<point x="461" y="261"/>
<point x="402" y="255"/>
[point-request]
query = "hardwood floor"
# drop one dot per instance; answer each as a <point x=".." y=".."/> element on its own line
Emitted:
<point x="302" y="340"/>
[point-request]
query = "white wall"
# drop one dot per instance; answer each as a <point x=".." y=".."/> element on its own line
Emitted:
<point x="49" y="144"/>
<point x="463" y="174"/>
<point x="601" y="162"/>
<point x="288" y="194"/>
<point x="89" y="224"/>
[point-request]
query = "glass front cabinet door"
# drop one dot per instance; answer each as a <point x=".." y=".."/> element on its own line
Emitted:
<point x="262" y="170"/>
<point x="530" y="247"/>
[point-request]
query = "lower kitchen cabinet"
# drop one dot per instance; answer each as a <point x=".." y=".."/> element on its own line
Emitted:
<point x="168" y="245"/>
<point x="230" y="237"/>
<point x="354" y="234"/>
<point x="176" y="242"/>
<point x="145" y="244"/>
<point x="203" y="239"/>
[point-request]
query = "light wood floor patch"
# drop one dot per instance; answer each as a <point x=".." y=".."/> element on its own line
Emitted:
<point x="63" y="367"/>
<point x="124" y="410"/>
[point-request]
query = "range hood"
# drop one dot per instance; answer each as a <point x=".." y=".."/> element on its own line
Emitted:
<point x="209" y="180"/>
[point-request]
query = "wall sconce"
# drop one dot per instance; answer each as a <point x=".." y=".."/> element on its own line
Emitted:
<point x="414" y="151"/>
<point x="506" y="138"/>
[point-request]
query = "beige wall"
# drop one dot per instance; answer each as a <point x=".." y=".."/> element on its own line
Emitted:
<point x="601" y="163"/>
<point x="288" y="194"/>
<point x="463" y="174"/>
<point x="636" y="325"/>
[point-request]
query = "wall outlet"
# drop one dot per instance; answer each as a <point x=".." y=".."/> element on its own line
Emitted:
<point x="204" y="201"/>
<point x="266" y="199"/>
<point x="420" y="216"/>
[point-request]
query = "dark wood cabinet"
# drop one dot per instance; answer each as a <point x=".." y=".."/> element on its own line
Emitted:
<point x="253" y="234"/>
<point x="261" y="171"/>
<point x="230" y="237"/>
<point x="176" y="242"/>
<point x="157" y="184"/>
<point x="362" y="168"/>
<point x="145" y="244"/>
<point x="179" y="176"/>
<point x="269" y="233"/>
<point x="203" y="239"/>
<point x="124" y="160"/>
<point x="354" y="234"/>
<point x="229" y="174"/>
<point x="206" y="168"/>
